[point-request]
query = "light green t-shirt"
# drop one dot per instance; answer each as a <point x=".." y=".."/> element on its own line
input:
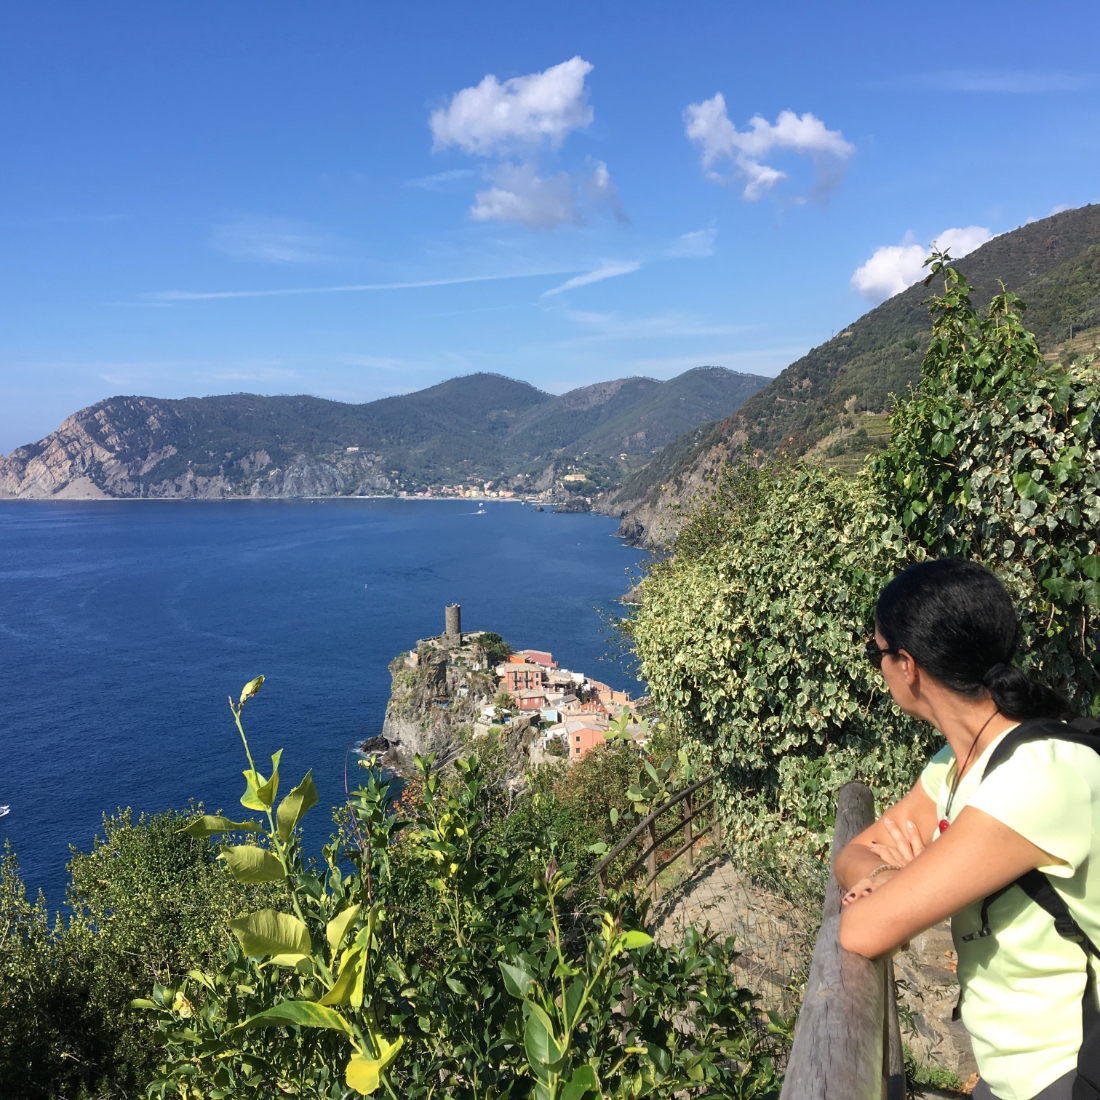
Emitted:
<point x="1022" y="986"/>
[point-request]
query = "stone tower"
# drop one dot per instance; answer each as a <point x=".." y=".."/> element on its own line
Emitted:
<point x="454" y="623"/>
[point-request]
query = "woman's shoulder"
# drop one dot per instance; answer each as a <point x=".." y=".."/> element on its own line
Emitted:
<point x="1048" y="754"/>
<point x="936" y="770"/>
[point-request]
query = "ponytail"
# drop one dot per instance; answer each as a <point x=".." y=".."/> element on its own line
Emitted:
<point x="1018" y="696"/>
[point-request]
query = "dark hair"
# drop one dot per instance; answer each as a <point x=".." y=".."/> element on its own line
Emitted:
<point x="957" y="622"/>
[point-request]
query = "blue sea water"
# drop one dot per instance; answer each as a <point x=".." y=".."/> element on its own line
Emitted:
<point x="124" y="626"/>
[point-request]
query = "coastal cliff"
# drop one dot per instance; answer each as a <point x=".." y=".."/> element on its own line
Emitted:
<point x="135" y="447"/>
<point x="436" y="699"/>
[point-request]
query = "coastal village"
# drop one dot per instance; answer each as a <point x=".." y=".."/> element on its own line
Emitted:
<point x="473" y="680"/>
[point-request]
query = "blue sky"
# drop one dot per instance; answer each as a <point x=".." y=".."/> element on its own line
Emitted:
<point x="356" y="199"/>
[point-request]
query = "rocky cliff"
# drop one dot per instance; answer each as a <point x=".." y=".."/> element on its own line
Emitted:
<point x="436" y="698"/>
<point x="131" y="447"/>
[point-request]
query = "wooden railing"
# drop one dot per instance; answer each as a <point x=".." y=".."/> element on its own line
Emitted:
<point x="847" y="1043"/>
<point x="690" y="811"/>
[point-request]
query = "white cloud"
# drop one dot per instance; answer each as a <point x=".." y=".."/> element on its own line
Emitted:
<point x="273" y="241"/>
<point x="607" y="270"/>
<point x="961" y="242"/>
<point x="895" y="267"/>
<point x="162" y="296"/>
<point x="521" y="195"/>
<point x="602" y="192"/>
<point x="889" y="271"/>
<point x="693" y="245"/>
<point x="441" y="181"/>
<point x="709" y="126"/>
<point x="495" y="118"/>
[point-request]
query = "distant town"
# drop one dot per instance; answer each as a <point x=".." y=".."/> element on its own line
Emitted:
<point x="571" y="711"/>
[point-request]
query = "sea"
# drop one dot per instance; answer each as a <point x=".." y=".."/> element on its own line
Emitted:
<point x="125" y="626"/>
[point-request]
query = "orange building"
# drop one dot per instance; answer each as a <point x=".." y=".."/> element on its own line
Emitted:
<point x="583" y="738"/>
<point x="520" y="676"/>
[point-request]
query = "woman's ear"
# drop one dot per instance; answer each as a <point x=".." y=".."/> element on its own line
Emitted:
<point x="909" y="668"/>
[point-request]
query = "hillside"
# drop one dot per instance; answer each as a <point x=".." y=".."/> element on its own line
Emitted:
<point x="481" y="426"/>
<point x="833" y="402"/>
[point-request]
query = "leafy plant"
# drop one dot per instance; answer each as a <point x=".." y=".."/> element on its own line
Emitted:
<point x="340" y="987"/>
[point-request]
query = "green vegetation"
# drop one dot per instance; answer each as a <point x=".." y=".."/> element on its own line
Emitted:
<point x="446" y="946"/>
<point x="750" y="636"/>
<point x="1053" y="264"/>
<point x="148" y="903"/>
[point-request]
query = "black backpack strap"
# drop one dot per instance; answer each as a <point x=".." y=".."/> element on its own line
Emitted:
<point x="1081" y="731"/>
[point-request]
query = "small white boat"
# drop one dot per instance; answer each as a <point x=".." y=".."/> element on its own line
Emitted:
<point x="4" y="811"/>
<point x="480" y="511"/>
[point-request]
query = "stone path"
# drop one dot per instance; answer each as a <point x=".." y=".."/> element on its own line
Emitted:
<point x="770" y="934"/>
<point x="776" y="943"/>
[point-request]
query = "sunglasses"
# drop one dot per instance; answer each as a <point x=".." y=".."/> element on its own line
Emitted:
<point x="874" y="653"/>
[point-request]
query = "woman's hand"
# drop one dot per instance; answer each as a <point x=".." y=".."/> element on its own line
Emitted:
<point x="905" y="846"/>
<point x="866" y="886"/>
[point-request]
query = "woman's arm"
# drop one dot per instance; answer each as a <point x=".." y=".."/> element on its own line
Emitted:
<point x="899" y="836"/>
<point x="974" y="858"/>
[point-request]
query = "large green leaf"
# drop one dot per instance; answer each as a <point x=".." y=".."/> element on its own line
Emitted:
<point x="293" y="808"/>
<point x="635" y="938"/>
<point x="210" y="824"/>
<point x="247" y="863"/>
<point x="581" y="1083"/>
<point x="301" y="1013"/>
<point x="517" y="978"/>
<point x="543" y="1050"/>
<point x="337" y="928"/>
<point x="271" y="933"/>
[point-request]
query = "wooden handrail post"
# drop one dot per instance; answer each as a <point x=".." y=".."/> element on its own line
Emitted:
<point x="847" y="1043"/>
<point x="690" y="854"/>
<point x="651" y="859"/>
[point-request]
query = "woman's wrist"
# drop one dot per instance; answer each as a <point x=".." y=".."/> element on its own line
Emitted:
<point x="880" y="868"/>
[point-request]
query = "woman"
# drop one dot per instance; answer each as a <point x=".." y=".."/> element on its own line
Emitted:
<point x="945" y="636"/>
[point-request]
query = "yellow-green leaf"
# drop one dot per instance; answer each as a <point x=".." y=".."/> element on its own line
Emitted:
<point x="209" y="824"/>
<point x="338" y="926"/>
<point x="247" y="863"/>
<point x="271" y="933"/>
<point x="293" y="808"/>
<point x="301" y="1013"/>
<point x="363" y="1074"/>
<point x="340" y="993"/>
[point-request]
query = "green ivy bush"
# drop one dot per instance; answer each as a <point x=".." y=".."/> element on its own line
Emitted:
<point x="750" y="635"/>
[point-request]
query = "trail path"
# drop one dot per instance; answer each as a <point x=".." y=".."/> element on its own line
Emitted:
<point x="776" y="940"/>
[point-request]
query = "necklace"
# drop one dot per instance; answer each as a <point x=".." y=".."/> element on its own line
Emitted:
<point x="958" y="774"/>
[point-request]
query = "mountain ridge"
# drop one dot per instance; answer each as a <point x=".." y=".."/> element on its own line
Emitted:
<point x="844" y="385"/>
<point x="479" y="426"/>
